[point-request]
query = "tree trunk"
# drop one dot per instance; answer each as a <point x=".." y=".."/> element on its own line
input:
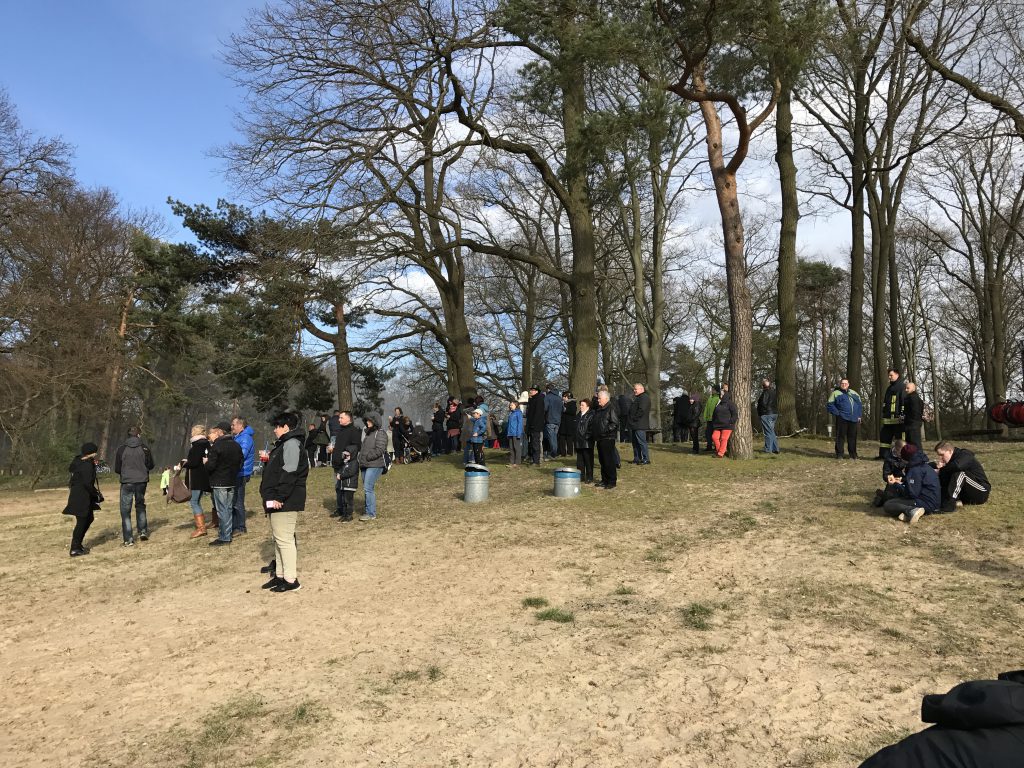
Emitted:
<point x="740" y="312"/>
<point x="342" y="360"/>
<point x="855" y="334"/>
<point x="785" y="357"/>
<point x="115" y="374"/>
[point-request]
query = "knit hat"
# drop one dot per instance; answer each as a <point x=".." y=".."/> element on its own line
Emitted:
<point x="908" y="450"/>
<point x="88" y="448"/>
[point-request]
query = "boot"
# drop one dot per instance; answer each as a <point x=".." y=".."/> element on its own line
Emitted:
<point x="200" y="527"/>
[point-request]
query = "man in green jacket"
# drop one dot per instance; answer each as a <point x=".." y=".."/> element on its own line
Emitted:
<point x="709" y="411"/>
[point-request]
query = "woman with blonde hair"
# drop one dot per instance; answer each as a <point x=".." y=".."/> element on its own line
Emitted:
<point x="196" y="478"/>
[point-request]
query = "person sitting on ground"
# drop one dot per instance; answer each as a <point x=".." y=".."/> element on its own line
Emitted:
<point x="962" y="479"/>
<point x="892" y="470"/>
<point x="917" y="493"/>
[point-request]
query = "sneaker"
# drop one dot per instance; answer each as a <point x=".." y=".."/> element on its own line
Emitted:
<point x="270" y="567"/>
<point x="143" y="537"/>
<point x="274" y="581"/>
<point x="219" y="543"/>
<point x="902" y="517"/>
<point x="959" y="504"/>
<point x="365" y="518"/>
<point x="238" y="532"/>
<point x="287" y="586"/>
<point x="915" y="515"/>
<point x="128" y="544"/>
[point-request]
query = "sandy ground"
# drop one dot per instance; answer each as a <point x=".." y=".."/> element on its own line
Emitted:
<point x="755" y="615"/>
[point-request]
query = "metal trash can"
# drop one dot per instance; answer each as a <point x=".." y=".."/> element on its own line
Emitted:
<point x="478" y="481"/>
<point x="567" y="483"/>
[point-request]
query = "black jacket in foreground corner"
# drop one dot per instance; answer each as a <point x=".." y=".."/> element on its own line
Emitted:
<point x="284" y="483"/>
<point x="978" y="724"/>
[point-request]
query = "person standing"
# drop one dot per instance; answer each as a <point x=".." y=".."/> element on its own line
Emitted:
<point x="243" y="435"/>
<point x="453" y="423"/>
<point x="622" y="405"/>
<point x="437" y="436"/>
<point x="604" y="431"/>
<point x="708" y="415"/>
<point x="133" y="463"/>
<point x="322" y="439"/>
<point x="962" y="479"/>
<point x="535" y="424"/>
<point x="845" y="404"/>
<point x="639" y="423"/>
<point x="552" y="420"/>
<point x="514" y="433"/>
<point x="477" y="435"/>
<point x="223" y="463"/>
<point x="310" y="444"/>
<point x="84" y="496"/>
<point x="283" y="490"/>
<point x="692" y="419"/>
<point x="768" y="411"/>
<point x="196" y="478"/>
<point x="892" y="413"/>
<point x="395" y="426"/>
<point x="913" y="415"/>
<point x="584" y="439"/>
<point x="723" y="422"/>
<point x="371" y="463"/>
<point x="567" y="427"/>
<point x="165" y="480"/>
<point x="680" y="406"/>
<point x="347" y="440"/>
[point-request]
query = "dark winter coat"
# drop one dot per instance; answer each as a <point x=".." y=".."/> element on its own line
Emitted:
<point x="695" y="408"/>
<point x="767" y="402"/>
<point x="284" y="477"/>
<point x="640" y="413"/>
<point x="553" y="408"/>
<point x="978" y="724"/>
<point x="223" y="462"/>
<point x="584" y="436"/>
<point x="605" y="424"/>
<point x="893" y="465"/>
<point x="83" y="493"/>
<point x="892" y="403"/>
<point x="535" y="413"/>
<point x="621" y="405"/>
<point x="196" y="477"/>
<point x="921" y="483"/>
<point x="453" y="418"/>
<point x="374" y="446"/>
<point x="680" y="408"/>
<point x="913" y="408"/>
<point x="349" y="472"/>
<point x="133" y="461"/>
<point x="310" y="441"/>
<point x="322" y="435"/>
<point x="725" y="415"/>
<point x="348" y="438"/>
<point x="437" y="421"/>
<point x="568" y="426"/>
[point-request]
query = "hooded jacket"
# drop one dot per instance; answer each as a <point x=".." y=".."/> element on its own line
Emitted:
<point x="478" y="429"/>
<point x="978" y="724"/>
<point x="514" y="428"/>
<point x="133" y="461"/>
<point x="248" y="445"/>
<point x="709" y="407"/>
<point x="725" y="414"/>
<point x="83" y="493"/>
<point x="921" y="483"/>
<point x="374" y="446"/>
<point x="284" y="477"/>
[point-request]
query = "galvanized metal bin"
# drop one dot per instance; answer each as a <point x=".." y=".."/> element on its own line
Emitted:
<point x="567" y="483"/>
<point x="478" y="481"/>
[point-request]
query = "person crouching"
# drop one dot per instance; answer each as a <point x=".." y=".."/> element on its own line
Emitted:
<point x="917" y="493"/>
<point x="283" y="489"/>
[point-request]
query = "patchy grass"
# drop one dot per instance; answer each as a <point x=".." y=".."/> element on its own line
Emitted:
<point x="697" y="615"/>
<point x="556" y="615"/>
<point x="535" y="602"/>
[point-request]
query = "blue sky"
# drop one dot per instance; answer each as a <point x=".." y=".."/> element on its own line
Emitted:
<point x="138" y="88"/>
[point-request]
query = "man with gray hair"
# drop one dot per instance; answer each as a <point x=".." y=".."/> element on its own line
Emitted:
<point x="243" y="435"/>
<point x="639" y="423"/>
<point x="605" y="428"/>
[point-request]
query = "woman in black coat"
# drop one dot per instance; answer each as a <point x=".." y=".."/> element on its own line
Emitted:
<point x="84" y="496"/>
<point x="583" y="441"/>
<point x="438" y="439"/>
<point x="196" y="478"/>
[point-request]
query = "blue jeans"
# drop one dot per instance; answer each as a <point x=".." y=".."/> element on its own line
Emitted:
<point x="238" y="509"/>
<point x="370" y="477"/>
<point x="771" y="442"/>
<point x="551" y="433"/>
<point x="640" y="453"/>
<point x="136" y="492"/>
<point x="197" y="508"/>
<point x="223" y="501"/>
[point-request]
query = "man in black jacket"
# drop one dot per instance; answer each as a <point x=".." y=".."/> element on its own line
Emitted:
<point x="535" y="424"/>
<point x="604" y="428"/>
<point x="913" y="415"/>
<point x="283" y="489"/>
<point x="567" y="427"/>
<point x="223" y="462"/>
<point x="892" y="413"/>
<point x="962" y="480"/>
<point x="639" y="423"/>
<point x="622" y="405"/>
<point x="680" y="406"/>
<point x="133" y="462"/>
<point x="768" y="411"/>
<point x="691" y="420"/>
<point x="348" y="438"/>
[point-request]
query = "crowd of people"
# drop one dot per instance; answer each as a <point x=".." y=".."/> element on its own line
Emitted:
<point x="540" y="425"/>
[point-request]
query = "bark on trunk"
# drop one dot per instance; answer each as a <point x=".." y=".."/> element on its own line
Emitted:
<point x="342" y="360"/>
<point x="115" y="374"/>
<point x="785" y="358"/>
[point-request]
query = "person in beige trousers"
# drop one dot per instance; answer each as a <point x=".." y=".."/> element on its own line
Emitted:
<point x="283" y="489"/>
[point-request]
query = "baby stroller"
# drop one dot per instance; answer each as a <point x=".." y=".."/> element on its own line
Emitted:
<point x="417" y="445"/>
